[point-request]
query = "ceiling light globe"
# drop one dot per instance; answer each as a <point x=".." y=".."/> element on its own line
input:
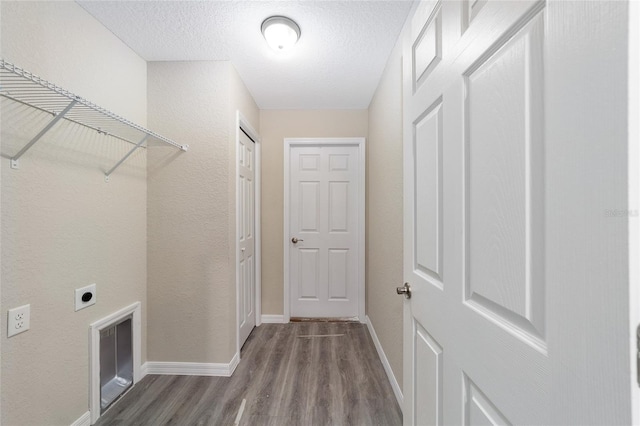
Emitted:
<point x="280" y="32"/>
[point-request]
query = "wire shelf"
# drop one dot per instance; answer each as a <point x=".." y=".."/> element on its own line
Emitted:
<point x="26" y="88"/>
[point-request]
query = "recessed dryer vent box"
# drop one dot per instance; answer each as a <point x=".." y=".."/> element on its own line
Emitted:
<point x="116" y="362"/>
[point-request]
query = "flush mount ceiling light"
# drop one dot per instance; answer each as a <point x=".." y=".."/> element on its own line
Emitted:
<point x="280" y="32"/>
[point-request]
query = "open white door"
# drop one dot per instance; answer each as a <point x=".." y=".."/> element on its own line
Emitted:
<point x="246" y="236"/>
<point x="515" y="157"/>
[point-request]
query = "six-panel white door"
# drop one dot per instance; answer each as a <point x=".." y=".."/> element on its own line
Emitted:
<point x="324" y="208"/>
<point x="246" y="233"/>
<point x="512" y="158"/>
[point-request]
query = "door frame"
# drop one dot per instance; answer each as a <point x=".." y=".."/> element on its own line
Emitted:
<point x="244" y="124"/>
<point x="360" y="143"/>
<point x="634" y="202"/>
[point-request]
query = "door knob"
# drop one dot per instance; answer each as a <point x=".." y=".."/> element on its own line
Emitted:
<point x="295" y="240"/>
<point x="405" y="289"/>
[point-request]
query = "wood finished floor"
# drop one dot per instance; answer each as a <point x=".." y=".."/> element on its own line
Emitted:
<point x="287" y="376"/>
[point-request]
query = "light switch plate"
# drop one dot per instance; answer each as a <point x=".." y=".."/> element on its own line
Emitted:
<point x="81" y="304"/>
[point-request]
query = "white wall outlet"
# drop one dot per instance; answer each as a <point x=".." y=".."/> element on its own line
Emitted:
<point x="19" y="320"/>
<point x="85" y="297"/>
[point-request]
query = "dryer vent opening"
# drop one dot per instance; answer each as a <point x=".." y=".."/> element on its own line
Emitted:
<point x="114" y="359"/>
<point x="116" y="362"/>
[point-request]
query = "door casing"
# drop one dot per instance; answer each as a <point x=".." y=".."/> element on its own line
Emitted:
<point x="360" y="143"/>
<point x="634" y="198"/>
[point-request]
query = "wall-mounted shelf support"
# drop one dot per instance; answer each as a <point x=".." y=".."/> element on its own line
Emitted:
<point x="14" y="161"/>
<point x="138" y="145"/>
<point x="28" y="89"/>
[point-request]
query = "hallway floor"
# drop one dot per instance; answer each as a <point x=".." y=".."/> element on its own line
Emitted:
<point x="309" y="373"/>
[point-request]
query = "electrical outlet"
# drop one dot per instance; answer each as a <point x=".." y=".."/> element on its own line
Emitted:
<point x="19" y="320"/>
<point x="85" y="297"/>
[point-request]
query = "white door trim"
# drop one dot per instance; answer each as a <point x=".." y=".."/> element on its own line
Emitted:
<point x="244" y="124"/>
<point x="634" y="201"/>
<point x="360" y="143"/>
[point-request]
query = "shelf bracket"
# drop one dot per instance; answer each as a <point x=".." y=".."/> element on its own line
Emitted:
<point x="113" y="169"/>
<point x="36" y="138"/>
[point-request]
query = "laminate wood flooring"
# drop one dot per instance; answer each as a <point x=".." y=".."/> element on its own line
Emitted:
<point x="299" y="374"/>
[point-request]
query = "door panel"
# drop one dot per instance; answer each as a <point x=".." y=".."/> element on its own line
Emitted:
<point x="427" y="48"/>
<point x="339" y="206"/>
<point x="479" y="410"/>
<point x="427" y="147"/>
<point x="309" y="206"/>
<point x="324" y="202"/>
<point x="338" y="274"/>
<point x="308" y="274"/>
<point x="428" y="394"/>
<point x="504" y="187"/>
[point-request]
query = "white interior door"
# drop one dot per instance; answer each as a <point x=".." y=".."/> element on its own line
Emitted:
<point x="246" y="236"/>
<point x="324" y="238"/>
<point x="514" y="152"/>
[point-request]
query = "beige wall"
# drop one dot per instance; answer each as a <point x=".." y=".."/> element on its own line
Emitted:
<point x="191" y="205"/>
<point x="63" y="227"/>
<point x="275" y="125"/>
<point x="242" y="100"/>
<point x="384" y="212"/>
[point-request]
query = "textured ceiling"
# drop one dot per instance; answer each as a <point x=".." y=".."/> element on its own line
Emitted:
<point x="336" y="64"/>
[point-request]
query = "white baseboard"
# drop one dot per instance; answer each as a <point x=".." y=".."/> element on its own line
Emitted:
<point x="144" y="370"/>
<point x="272" y="319"/>
<point x="385" y="363"/>
<point x="84" y="420"/>
<point x="234" y="363"/>
<point x="192" y="368"/>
